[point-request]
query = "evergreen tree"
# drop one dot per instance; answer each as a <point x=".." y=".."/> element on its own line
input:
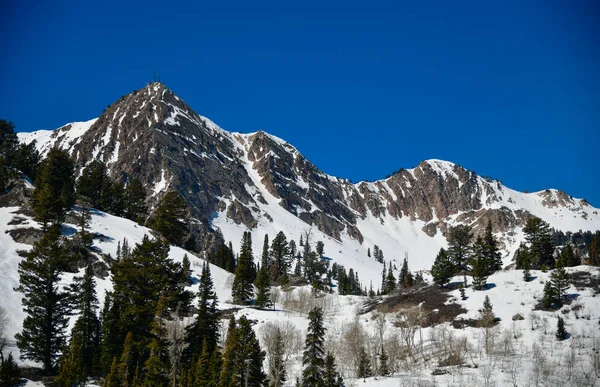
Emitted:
<point x="442" y="269"/>
<point x="264" y="261"/>
<point x="87" y="327"/>
<point x="205" y="327"/>
<point x="480" y="266"/>
<point x="113" y="379"/>
<point x="280" y="256"/>
<point x="561" y="332"/>
<point x="127" y="362"/>
<point x="14" y="156"/>
<point x="390" y="281"/>
<point x="560" y="283"/>
<point x="226" y="377"/>
<point x="490" y="250"/>
<point x="9" y="371"/>
<point x="171" y="218"/>
<point x="202" y="367"/>
<point x="383" y="363"/>
<point x="364" y="365"/>
<point x="549" y="298"/>
<point x="54" y="191"/>
<point x="243" y="358"/>
<point x="405" y="279"/>
<point x="214" y="370"/>
<point x="245" y="273"/>
<point x="135" y="201"/>
<point x="539" y="237"/>
<point x="155" y="367"/>
<point x="95" y="184"/>
<point x="369" y="252"/>
<point x="332" y="376"/>
<point x="48" y="307"/>
<point x="459" y="248"/>
<point x="313" y="357"/>
<point x="72" y="371"/>
<point x="524" y="262"/>
<point x="263" y="299"/>
<point x="487" y="313"/>
<point x="320" y="248"/>
<point x="568" y="257"/>
<point x="112" y="336"/>
<point x="594" y="250"/>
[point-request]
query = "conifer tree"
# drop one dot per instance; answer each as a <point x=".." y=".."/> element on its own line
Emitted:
<point x="113" y="379"/>
<point x="214" y="370"/>
<point x="155" y="367"/>
<point x="459" y="248"/>
<point x="443" y="269"/>
<point x="313" y="359"/>
<point x="280" y="256"/>
<point x="487" y="313"/>
<point x="127" y="361"/>
<point x="54" y="192"/>
<point x="226" y="377"/>
<point x="95" y="184"/>
<point x="72" y="370"/>
<point x="383" y="363"/>
<point x="561" y="332"/>
<point x="9" y="371"/>
<point x="263" y="299"/>
<point x="490" y="251"/>
<point x="332" y="376"/>
<point x="48" y="307"/>
<point x="549" y="298"/>
<point x="172" y="218"/>
<point x="390" y="281"/>
<point x="539" y="237"/>
<point x="405" y="279"/>
<point x="112" y="336"/>
<point x="249" y="356"/>
<point x="202" y="367"/>
<point x="364" y="365"/>
<point x="205" y="327"/>
<point x="135" y="201"/>
<point x="568" y="257"/>
<point x="560" y="283"/>
<point x="245" y="273"/>
<point x="594" y="250"/>
<point x="480" y="265"/>
<point x="264" y="260"/>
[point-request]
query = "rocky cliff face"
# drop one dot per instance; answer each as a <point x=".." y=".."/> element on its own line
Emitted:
<point x="154" y="136"/>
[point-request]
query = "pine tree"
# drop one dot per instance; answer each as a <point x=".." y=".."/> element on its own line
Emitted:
<point x="72" y="371"/>
<point x="264" y="260"/>
<point x="87" y="326"/>
<point x="594" y="250"/>
<point x="54" y="192"/>
<point x="549" y="298"/>
<point x="459" y="248"/>
<point x="539" y="237"/>
<point x="205" y="327"/>
<point x="383" y="365"/>
<point x="9" y="371"/>
<point x="249" y="357"/>
<point x="280" y="256"/>
<point x="155" y="367"/>
<point x="490" y="251"/>
<point x="202" y="366"/>
<point x="568" y="257"/>
<point x="113" y="379"/>
<point x="332" y="376"/>
<point x="561" y="332"/>
<point x="364" y="365"/>
<point x="487" y="313"/>
<point x="263" y="297"/>
<point x="95" y="185"/>
<point x="480" y="266"/>
<point x="48" y="307"/>
<point x="313" y="357"/>
<point x="390" y="281"/>
<point x="443" y="269"/>
<point x="135" y="197"/>
<point x="405" y="279"/>
<point x="127" y="361"/>
<point x="171" y="218"/>
<point x="241" y="290"/>
<point x="226" y="377"/>
<point x="560" y="283"/>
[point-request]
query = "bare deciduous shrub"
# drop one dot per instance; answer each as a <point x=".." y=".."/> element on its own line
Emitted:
<point x="281" y="340"/>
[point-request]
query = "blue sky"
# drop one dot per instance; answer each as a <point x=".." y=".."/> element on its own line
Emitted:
<point x="508" y="89"/>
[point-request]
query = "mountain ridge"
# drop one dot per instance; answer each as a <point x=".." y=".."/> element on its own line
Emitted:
<point x="154" y="136"/>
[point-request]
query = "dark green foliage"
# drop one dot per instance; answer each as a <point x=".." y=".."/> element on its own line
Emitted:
<point x="54" y="192"/>
<point x="463" y="296"/>
<point x="86" y="331"/>
<point x="72" y="370"/>
<point x="332" y="376"/>
<point x="313" y="359"/>
<point x="549" y="297"/>
<point x="113" y="379"/>
<point x="348" y="282"/>
<point x="135" y="201"/>
<point x="14" y="156"/>
<point x="383" y="363"/>
<point x="48" y="307"/>
<point x="140" y="279"/>
<point x="95" y="185"/>
<point x="443" y="269"/>
<point x="490" y="250"/>
<point x="390" y="282"/>
<point x="524" y="259"/>
<point x="568" y="258"/>
<point x="245" y="273"/>
<point x="155" y="367"/>
<point x="480" y="266"/>
<point x="459" y="247"/>
<point x="487" y="314"/>
<point x="364" y="365"/>
<point x="320" y="248"/>
<point x="378" y="254"/>
<point x="280" y="256"/>
<point x="561" y="332"/>
<point x="243" y="357"/>
<point x="405" y="279"/>
<point x="205" y="328"/>
<point x="560" y="283"/>
<point x="112" y="336"/>
<point x="539" y="237"/>
<point x="263" y="295"/>
<point x="9" y="371"/>
<point x="171" y="218"/>
<point x="594" y="250"/>
<point x="224" y="258"/>
<point x="264" y="259"/>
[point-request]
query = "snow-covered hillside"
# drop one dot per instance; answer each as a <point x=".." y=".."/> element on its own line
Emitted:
<point x="525" y="352"/>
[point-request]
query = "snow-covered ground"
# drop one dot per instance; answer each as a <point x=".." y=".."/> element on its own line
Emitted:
<point x="524" y="352"/>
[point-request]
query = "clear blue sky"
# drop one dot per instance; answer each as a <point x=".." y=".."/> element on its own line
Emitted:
<point x="507" y="89"/>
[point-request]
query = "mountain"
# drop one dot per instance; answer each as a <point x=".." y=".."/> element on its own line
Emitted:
<point x="257" y="181"/>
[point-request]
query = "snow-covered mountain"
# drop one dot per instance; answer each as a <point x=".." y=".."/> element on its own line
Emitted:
<point x="257" y="181"/>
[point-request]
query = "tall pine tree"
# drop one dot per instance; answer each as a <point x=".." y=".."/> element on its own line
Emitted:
<point x="245" y="273"/>
<point x="313" y="358"/>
